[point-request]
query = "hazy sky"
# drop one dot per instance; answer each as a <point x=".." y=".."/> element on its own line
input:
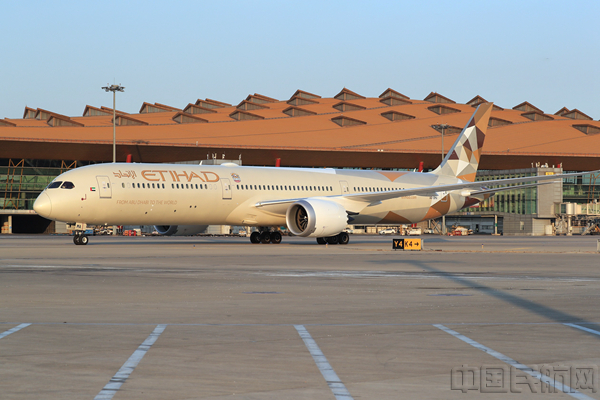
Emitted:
<point x="57" y="55"/>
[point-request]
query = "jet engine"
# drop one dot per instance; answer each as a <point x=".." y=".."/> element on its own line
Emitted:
<point x="316" y="218"/>
<point x="179" y="230"/>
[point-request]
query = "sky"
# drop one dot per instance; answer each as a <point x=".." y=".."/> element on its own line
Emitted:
<point x="57" y="55"/>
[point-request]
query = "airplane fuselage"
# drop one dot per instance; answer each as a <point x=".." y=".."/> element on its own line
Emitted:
<point x="172" y="194"/>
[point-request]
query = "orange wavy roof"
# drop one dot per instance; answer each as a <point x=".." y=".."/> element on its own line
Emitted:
<point x="277" y="130"/>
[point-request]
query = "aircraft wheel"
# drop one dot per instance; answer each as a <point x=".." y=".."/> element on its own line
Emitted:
<point x="276" y="237"/>
<point x="321" y="240"/>
<point x="83" y="240"/>
<point x="265" y="237"/>
<point x="343" y="238"/>
<point x="332" y="240"/>
<point x="255" y="237"/>
<point x="76" y="239"/>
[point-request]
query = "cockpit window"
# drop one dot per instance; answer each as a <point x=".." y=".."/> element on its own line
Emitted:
<point x="67" y="185"/>
<point x="54" y="185"/>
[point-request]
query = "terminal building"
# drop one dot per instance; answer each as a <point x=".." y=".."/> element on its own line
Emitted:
<point x="391" y="131"/>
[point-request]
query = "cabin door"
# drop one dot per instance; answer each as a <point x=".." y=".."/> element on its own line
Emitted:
<point x="104" y="187"/>
<point x="226" y="189"/>
<point x="344" y="186"/>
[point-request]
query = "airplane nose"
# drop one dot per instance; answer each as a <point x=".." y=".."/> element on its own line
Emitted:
<point x="43" y="205"/>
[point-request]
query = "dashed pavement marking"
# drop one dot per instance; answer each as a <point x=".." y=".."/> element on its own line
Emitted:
<point x="333" y="381"/>
<point x="115" y="383"/>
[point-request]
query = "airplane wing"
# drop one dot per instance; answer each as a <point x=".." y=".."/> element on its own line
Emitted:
<point x="355" y="202"/>
<point x="468" y="188"/>
<point x="494" y="190"/>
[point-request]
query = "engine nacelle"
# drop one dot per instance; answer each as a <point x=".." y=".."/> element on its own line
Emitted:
<point x="316" y="218"/>
<point x="179" y="230"/>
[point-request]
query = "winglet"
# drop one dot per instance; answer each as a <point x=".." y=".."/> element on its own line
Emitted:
<point x="462" y="160"/>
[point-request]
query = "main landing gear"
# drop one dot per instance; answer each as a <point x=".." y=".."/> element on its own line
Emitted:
<point x="340" y="238"/>
<point x="80" y="239"/>
<point x="266" y="237"/>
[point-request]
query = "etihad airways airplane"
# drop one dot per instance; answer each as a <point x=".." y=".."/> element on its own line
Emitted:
<point x="183" y="199"/>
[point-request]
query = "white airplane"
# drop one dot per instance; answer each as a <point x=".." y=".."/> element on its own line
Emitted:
<point x="183" y="199"/>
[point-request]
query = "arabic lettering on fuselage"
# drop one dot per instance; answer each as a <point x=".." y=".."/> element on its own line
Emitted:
<point x="126" y="174"/>
<point x="155" y="175"/>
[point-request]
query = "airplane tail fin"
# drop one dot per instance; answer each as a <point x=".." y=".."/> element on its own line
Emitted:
<point x="462" y="160"/>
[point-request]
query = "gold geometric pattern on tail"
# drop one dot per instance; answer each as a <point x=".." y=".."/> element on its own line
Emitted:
<point x="462" y="160"/>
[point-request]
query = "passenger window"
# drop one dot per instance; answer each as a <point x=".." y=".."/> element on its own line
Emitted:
<point x="123" y="185"/>
<point x="205" y="186"/>
<point x="177" y="185"/>
<point x="196" y="186"/>
<point x="172" y="186"/>
<point x="187" y="186"/>
<point x="143" y="186"/>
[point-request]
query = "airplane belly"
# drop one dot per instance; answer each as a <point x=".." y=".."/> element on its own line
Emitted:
<point x="409" y="210"/>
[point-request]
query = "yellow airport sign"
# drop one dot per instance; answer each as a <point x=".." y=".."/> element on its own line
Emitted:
<point x="407" y="244"/>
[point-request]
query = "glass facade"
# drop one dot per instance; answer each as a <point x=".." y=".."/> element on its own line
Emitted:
<point x="21" y="181"/>
<point x="515" y="201"/>
<point x="580" y="189"/>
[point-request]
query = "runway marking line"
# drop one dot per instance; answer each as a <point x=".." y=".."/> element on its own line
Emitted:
<point x="289" y="324"/>
<point x="535" y="374"/>
<point x="115" y="383"/>
<point x="13" y="330"/>
<point x="583" y="328"/>
<point x="333" y="381"/>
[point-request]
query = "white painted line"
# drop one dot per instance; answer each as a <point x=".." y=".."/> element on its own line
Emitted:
<point x="333" y="381"/>
<point x="536" y="374"/>
<point x="410" y="275"/>
<point x="13" y="330"/>
<point x="123" y="373"/>
<point x="583" y="329"/>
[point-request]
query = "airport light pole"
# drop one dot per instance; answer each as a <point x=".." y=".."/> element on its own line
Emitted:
<point x="114" y="89"/>
<point x="442" y="128"/>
